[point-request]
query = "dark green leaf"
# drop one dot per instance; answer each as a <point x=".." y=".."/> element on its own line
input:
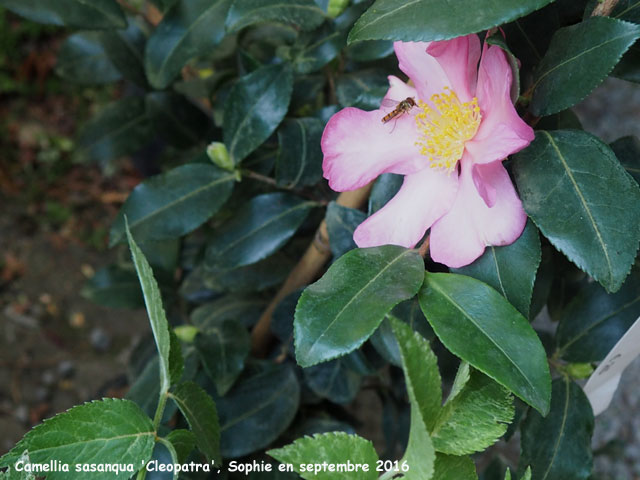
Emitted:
<point x="477" y="324"/>
<point x="594" y="321"/>
<point x="71" y="13"/>
<point x="190" y="28"/>
<point x="450" y="467"/>
<point x="255" y="107"/>
<point x="370" y="50"/>
<point x="628" y="68"/>
<point x="174" y="203"/>
<point x="474" y="418"/>
<point x="299" y="161"/>
<point x="155" y="311"/>
<point x="125" y="49"/>
<point x="558" y="446"/>
<point x="176" y="119"/>
<point x="427" y="20"/>
<point x="257" y="230"/>
<point x="384" y="189"/>
<point x="364" y="89"/>
<point x="82" y="59"/>
<point x="334" y="381"/>
<point x="145" y="390"/>
<point x="302" y="13"/>
<point x="114" y="287"/>
<point x="244" y="310"/>
<point x="511" y="270"/>
<point x="627" y="10"/>
<point x="341" y="223"/>
<point x="200" y="412"/>
<point x="183" y="441"/>
<point x="255" y="277"/>
<point x="575" y="190"/>
<point x="119" y="129"/>
<point x="339" y="312"/>
<point x="314" y="50"/>
<point x="107" y="431"/>
<point x="223" y="348"/>
<point x="627" y="149"/>
<point x="579" y="59"/>
<point x="257" y="410"/>
<point x="333" y="448"/>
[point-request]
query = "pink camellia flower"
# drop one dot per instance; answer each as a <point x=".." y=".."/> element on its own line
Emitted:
<point x="449" y="146"/>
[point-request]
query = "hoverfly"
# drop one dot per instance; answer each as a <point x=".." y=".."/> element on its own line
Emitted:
<point x="400" y="107"/>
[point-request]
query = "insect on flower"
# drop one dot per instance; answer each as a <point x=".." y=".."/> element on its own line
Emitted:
<point x="400" y="107"/>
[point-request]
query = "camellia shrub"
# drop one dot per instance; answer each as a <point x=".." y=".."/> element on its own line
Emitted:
<point x="357" y="200"/>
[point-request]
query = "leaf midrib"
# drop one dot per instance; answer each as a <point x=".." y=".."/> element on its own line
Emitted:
<point x="352" y="299"/>
<point x="556" y="447"/>
<point x="470" y="318"/>
<point x="582" y="201"/>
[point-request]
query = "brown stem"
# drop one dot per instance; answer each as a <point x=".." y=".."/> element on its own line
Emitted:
<point x="604" y="8"/>
<point x="424" y="248"/>
<point x="307" y="270"/>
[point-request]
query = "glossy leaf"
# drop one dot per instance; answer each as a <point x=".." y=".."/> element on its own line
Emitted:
<point x="364" y="89"/>
<point x="575" y="190"/>
<point x="258" y="229"/>
<point x="114" y="287"/>
<point x="303" y="13"/>
<point x="176" y="119"/>
<point x="299" y="161"/>
<point x="594" y="321"/>
<point x="255" y="277"/>
<point x="511" y="270"/>
<point x="200" y="412"/>
<point x="449" y="467"/>
<point x="558" y="446"/>
<point x="82" y="59"/>
<point x="627" y="149"/>
<point x="313" y="50"/>
<point x="341" y="223"/>
<point x="579" y="59"/>
<point x="427" y="20"/>
<point x="106" y="431"/>
<point x="257" y="410"/>
<point x="71" y="13"/>
<point x="383" y="190"/>
<point x="223" y="349"/>
<point x="474" y="418"/>
<point x="339" y="312"/>
<point x="256" y="105"/>
<point x="125" y="49"/>
<point x="334" y="381"/>
<point x="119" y="129"/>
<point x="173" y="203"/>
<point x="477" y="324"/>
<point x="155" y="311"/>
<point x="244" y="310"/>
<point x="334" y="448"/>
<point x="190" y="28"/>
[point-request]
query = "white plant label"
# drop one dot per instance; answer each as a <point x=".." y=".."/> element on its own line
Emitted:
<point x="604" y="381"/>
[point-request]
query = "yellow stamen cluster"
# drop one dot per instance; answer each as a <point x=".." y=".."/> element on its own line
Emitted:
<point x="446" y="128"/>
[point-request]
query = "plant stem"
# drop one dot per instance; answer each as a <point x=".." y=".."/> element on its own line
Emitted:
<point x="307" y="270"/>
<point x="157" y="418"/>
<point x="604" y="8"/>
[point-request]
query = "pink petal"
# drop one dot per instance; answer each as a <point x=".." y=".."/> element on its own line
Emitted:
<point x="424" y="70"/>
<point x="399" y="90"/>
<point x="459" y="60"/>
<point x="423" y="198"/>
<point x="462" y="234"/>
<point x="502" y="131"/>
<point x="358" y="147"/>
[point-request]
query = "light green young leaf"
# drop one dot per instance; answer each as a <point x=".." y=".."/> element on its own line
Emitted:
<point x="335" y="448"/>
<point x="475" y="418"/>
<point x="13" y="474"/>
<point x="106" y="431"/>
<point x="155" y="310"/>
<point x="200" y="412"/>
<point x="451" y="467"/>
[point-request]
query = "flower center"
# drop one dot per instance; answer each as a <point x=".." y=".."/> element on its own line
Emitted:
<point x="446" y="128"/>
